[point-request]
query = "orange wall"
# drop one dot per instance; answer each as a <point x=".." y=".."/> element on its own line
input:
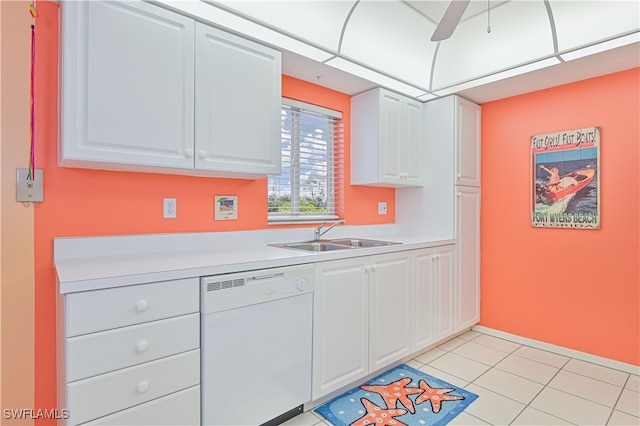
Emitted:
<point x="573" y="288"/>
<point x="90" y="202"/>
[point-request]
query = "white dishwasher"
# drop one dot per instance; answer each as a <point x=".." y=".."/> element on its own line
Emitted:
<point x="256" y="345"/>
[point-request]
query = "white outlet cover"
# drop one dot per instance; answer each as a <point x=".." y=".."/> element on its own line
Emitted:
<point x="169" y="208"/>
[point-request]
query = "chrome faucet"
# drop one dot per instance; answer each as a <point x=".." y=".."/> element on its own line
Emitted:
<point x="319" y="232"/>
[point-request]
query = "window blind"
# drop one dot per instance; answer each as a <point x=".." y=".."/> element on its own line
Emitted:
<point x="310" y="187"/>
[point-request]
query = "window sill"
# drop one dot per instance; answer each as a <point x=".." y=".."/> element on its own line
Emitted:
<point x="301" y="220"/>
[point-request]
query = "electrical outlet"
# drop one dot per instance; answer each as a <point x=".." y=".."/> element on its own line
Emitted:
<point x="169" y="208"/>
<point x="382" y="207"/>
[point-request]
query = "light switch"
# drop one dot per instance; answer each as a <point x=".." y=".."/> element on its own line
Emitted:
<point x="382" y="207"/>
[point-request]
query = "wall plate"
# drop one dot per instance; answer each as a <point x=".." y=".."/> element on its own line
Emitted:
<point x="382" y="207"/>
<point x="225" y="207"/>
<point x="29" y="190"/>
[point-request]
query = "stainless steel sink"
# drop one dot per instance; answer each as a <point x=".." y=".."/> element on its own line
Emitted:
<point x="359" y="242"/>
<point x="313" y="246"/>
<point x="337" y="244"/>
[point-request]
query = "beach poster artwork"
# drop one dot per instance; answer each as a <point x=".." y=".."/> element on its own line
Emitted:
<point x="565" y="181"/>
<point x="226" y="207"/>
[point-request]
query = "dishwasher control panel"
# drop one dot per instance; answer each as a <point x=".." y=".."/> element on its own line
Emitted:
<point x="228" y="291"/>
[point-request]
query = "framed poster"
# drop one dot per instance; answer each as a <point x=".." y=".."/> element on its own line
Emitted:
<point x="565" y="179"/>
<point x="225" y="207"/>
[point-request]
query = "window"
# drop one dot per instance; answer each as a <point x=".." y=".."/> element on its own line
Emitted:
<point x="310" y="186"/>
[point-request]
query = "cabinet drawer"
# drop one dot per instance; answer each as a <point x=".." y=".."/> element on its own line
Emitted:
<point x="180" y="408"/>
<point x="98" y="396"/>
<point x="97" y="353"/>
<point x="90" y="311"/>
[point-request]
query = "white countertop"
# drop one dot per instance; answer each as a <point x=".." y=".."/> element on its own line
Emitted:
<point x="91" y="263"/>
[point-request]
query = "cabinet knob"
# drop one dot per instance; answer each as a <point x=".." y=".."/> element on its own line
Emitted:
<point x="143" y="386"/>
<point x="189" y="153"/>
<point x="202" y="154"/>
<point x="373" y="268"/>
<point x="142" y="305"/>
<point x="459" y="193"/>
<point x="369" y="268"/>
<point x="142" y="346"/>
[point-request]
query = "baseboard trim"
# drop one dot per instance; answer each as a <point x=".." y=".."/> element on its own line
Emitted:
<point x="572" y="353"/>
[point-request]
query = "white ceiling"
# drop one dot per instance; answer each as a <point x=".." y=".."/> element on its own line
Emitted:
<point x="354" y="45"/>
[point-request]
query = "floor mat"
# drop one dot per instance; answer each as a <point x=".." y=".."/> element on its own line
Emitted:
<point x="400" y="396"/>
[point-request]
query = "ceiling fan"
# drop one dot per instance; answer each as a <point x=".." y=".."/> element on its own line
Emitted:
<point x="450" y="20"/>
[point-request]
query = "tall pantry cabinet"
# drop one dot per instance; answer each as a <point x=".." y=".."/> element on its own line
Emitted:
<point x="448" y="206"/>
<point x="467" y="210"/>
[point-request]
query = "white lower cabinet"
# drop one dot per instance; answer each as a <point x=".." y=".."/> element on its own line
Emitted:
<point x="340" y="324"/>
<point x="179" y="408"/>
<point x="434" y="297"/>
<point x="108" y="393"/>
<point x="468" y="252"/>
<point x="390" y="309"/>
<point x="131" y="353"/>
<point x="362" y="318"/>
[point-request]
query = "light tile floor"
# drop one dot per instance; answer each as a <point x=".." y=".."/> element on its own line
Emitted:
<point x="520" y="385"/>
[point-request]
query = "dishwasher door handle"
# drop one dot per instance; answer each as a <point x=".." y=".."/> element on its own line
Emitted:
<point x="266" y="277"/>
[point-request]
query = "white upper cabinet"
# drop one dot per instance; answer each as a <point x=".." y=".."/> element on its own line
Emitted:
<point x="125" y="100"/>
<point x="238" y="92"/>
<point x="386" y="139"/>
<point x="467" y="142"/>
<point x="144" y="89"/>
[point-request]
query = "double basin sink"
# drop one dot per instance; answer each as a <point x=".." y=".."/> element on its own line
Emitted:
<point x="336" y="244"/>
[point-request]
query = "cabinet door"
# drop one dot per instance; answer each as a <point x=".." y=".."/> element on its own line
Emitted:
<point x="340" y="324"/>
<point x="179" y="408"/>
<point x="424" y="304"/>
<point x="467" y="143"/>
<point x="468" y="260"/>
<point x="390" y="318"/>
<point x="391" y="129"/>
<point x="238" y="97"/>
<point x="127" y="85"/>
<point x="413" y="161"/>
<point x="445" y="286"/>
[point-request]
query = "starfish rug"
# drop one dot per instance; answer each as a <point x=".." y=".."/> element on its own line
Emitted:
<point x="397" y="397"/>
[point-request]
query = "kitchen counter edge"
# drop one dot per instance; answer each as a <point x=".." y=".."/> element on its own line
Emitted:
<point x="82" y="273"/>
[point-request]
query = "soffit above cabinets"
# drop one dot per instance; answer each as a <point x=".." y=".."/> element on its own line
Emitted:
<point x="353" y="45"/>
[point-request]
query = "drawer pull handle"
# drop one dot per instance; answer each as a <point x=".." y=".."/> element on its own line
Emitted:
<point x="143" y="387"/>
<point x="142" y="346"/>
<point x="142" y="305"/>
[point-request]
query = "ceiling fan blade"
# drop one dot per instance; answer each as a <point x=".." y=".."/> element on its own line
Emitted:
<point x="450" y="19"/>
